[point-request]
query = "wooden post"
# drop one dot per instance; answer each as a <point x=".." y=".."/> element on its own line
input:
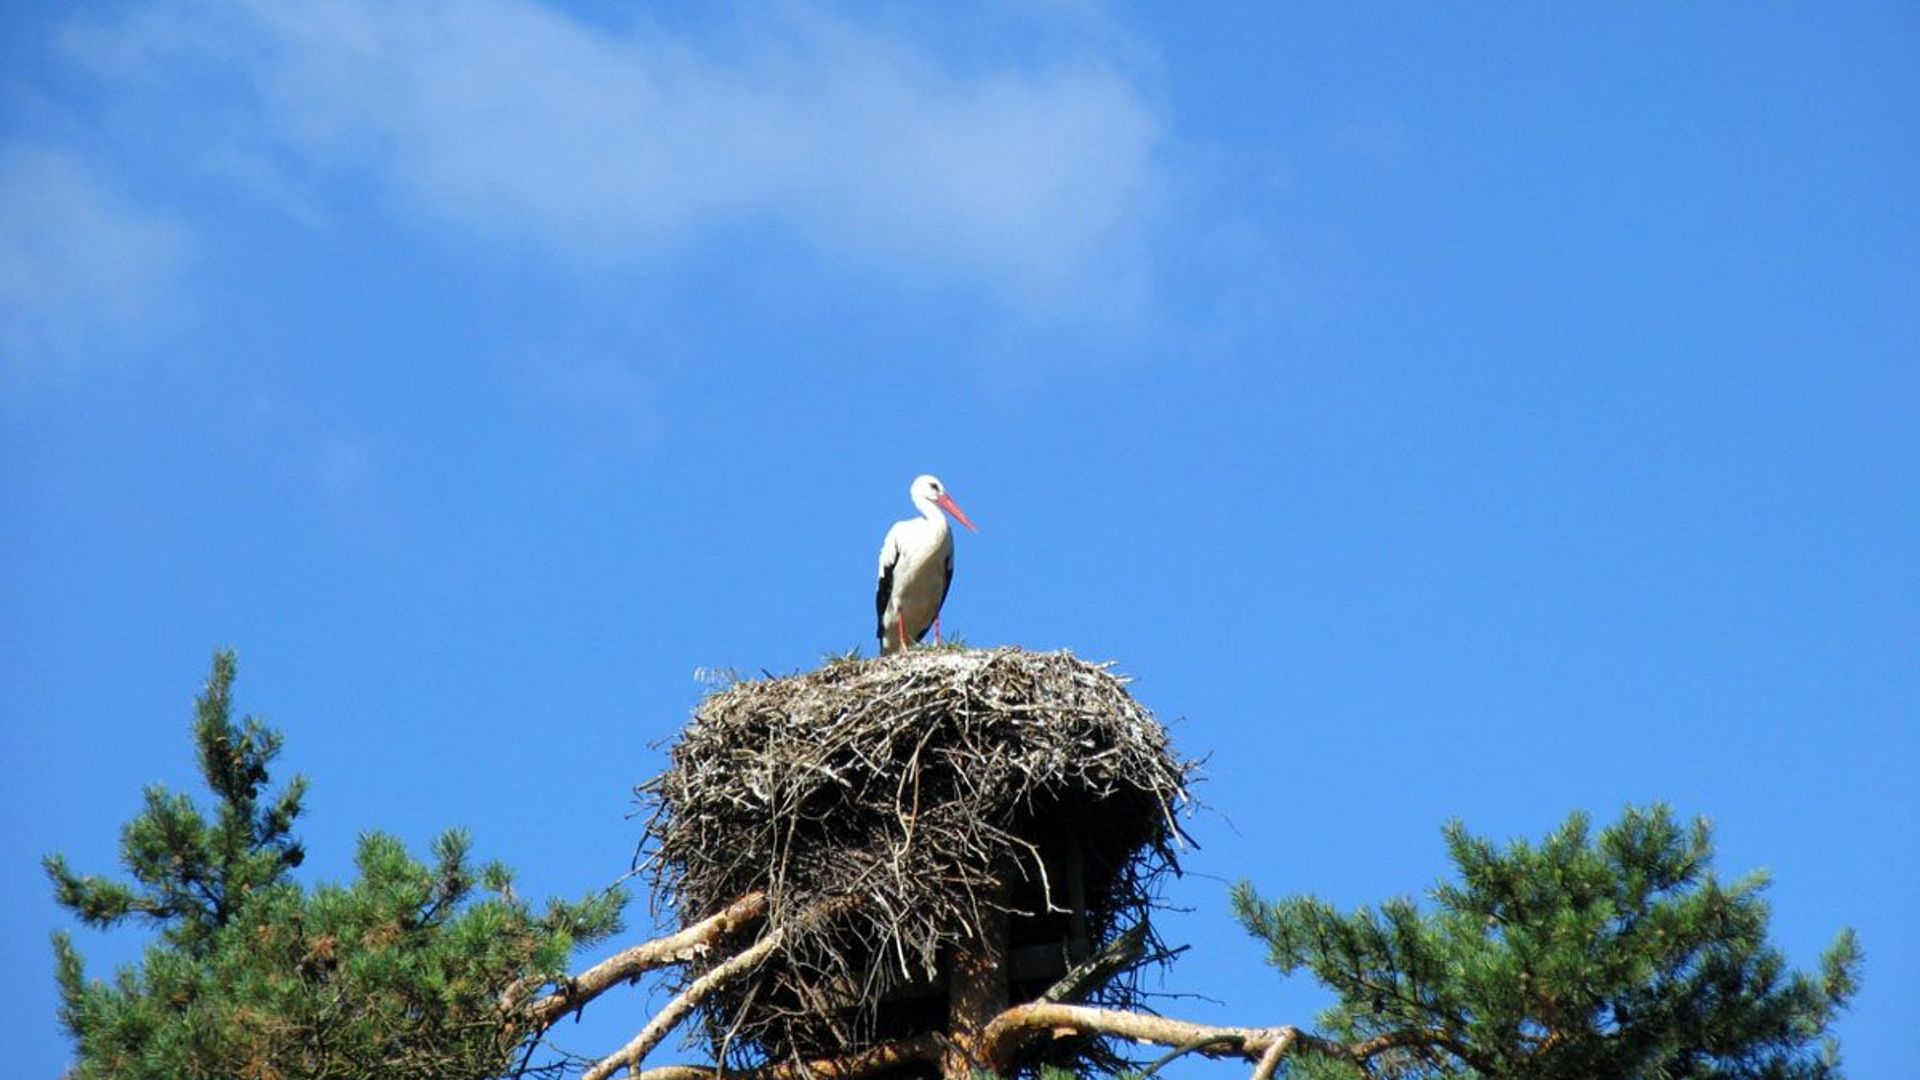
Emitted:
<point x="976" y="990"/>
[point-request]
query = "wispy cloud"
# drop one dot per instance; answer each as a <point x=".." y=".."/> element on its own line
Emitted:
<point x="1034" y="180"/>
<point x="85" y="269"/>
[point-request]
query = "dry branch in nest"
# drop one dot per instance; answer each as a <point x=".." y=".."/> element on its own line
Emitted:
<point x="903" y="811"/>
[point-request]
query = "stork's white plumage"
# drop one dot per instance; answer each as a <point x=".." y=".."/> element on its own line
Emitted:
<point x="916" y="568"/>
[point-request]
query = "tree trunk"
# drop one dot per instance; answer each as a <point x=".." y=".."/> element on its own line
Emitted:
<point x="976" y="991"/>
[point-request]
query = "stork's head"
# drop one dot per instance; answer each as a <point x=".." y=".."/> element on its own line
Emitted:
<point x="929" y="492"/>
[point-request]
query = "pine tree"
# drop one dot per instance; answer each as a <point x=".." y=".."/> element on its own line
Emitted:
<point x="403" y="972"/>
<point x="1621" y="956"/>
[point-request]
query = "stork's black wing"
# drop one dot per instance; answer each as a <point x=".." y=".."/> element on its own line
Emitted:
<point x="881" y="597"/>
<point x="946" y="581"/>
<point x="946" y="586"/>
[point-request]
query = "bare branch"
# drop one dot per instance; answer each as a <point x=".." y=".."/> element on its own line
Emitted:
<point x="1008" y="1033"/>
<point x="1270" y="1061"/>
<point x="676" y="1010"/>
<point x="1021" y="1024"/>
<point x="631" y="963"/>
<point x="994" y="1047"/>
<point x="734" y="967"/>
<point x="1184" y="1049"/>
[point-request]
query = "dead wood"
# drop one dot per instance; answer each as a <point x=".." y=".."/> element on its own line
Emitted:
<point x="631" y="963"/>
<point x="669" y="1017"/>
<point x="1000" y="1044"/>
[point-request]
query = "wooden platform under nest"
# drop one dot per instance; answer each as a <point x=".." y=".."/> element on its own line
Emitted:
<point x="907" y="817"/>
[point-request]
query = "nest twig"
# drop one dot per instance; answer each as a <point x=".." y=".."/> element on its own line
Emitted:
<point x="916" y="792"/>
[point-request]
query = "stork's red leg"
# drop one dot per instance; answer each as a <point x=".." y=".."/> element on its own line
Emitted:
<point x="903" y="631"/>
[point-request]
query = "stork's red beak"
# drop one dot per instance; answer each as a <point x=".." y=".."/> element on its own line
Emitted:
<point x="945" y="502"/>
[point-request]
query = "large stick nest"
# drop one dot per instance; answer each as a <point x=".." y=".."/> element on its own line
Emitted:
<point x="888" y="807"/>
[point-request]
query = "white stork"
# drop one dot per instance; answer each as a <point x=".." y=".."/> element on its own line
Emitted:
<point x="916" y="567"/>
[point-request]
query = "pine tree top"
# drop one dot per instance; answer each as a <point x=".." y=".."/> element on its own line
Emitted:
<point x="1616" y="955"/>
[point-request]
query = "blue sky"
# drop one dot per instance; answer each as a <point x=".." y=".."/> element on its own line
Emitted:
<point x="1464" y="412"/>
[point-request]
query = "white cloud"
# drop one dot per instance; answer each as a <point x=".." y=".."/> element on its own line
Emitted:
<point x="512" y="120"/>
<point x="85" y="270"/>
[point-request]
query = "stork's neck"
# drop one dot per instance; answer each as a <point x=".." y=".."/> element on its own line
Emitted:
<point x="931" y="511"/>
